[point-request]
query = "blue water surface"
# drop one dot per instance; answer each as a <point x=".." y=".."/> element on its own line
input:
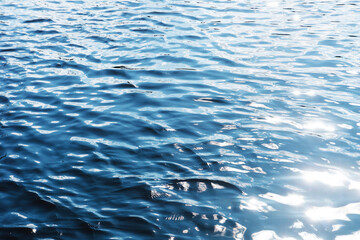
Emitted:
<point x="172" y="119"/>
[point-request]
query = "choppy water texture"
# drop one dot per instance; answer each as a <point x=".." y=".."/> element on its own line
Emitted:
<point x="180" y="119"/>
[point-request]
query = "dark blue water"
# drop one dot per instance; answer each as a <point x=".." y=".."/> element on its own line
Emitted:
<point x="180" y="119"/>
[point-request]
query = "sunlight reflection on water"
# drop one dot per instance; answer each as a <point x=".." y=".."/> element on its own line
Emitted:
<point x="179" y="119"/>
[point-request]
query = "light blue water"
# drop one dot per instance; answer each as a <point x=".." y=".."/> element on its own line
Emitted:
<point x="180" y="120"/>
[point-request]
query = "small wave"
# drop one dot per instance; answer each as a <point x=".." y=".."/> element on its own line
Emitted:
<point x="38" y="20"/>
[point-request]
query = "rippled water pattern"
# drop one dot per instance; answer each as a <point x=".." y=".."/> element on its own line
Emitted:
<point x="173" y="120"/>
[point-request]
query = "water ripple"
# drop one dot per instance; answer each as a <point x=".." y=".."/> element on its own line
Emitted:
<point x="179" y="119"/>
